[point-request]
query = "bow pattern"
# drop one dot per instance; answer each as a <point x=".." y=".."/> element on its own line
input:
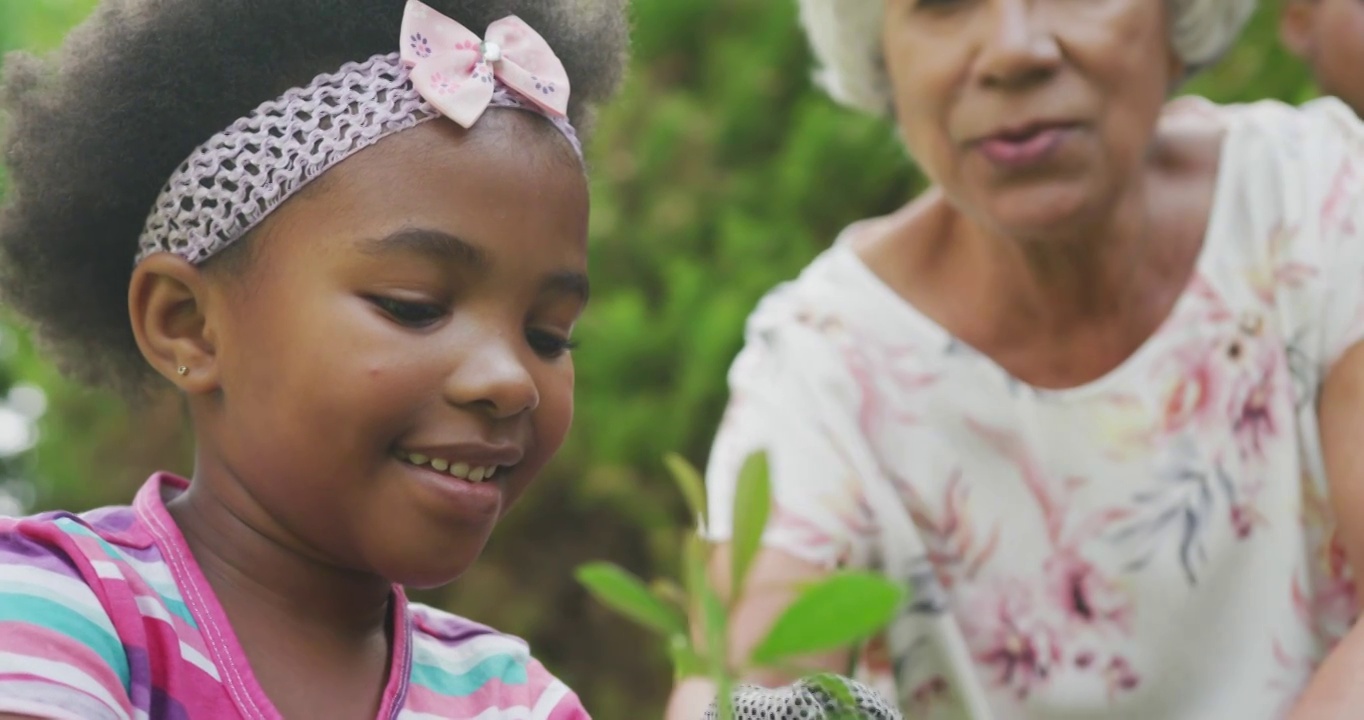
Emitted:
<point x="457" y="72"/>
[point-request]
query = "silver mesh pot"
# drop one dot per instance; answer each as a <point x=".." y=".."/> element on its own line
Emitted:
<point x="805" y="700"/>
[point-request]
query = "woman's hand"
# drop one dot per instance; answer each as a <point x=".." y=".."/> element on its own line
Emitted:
<point x="772" y="585"/>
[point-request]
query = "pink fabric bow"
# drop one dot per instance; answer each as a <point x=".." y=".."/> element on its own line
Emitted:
<point x="456" y="71"/>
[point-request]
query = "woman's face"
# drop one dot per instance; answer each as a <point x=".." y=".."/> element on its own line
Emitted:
<point x="1031" y="114"/>
<point x="1329" y="35"/>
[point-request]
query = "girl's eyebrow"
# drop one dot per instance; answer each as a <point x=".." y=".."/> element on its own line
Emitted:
<point x="568" y="282"/>
<point x="441" y="246"/>
<point x="435" y="244"/>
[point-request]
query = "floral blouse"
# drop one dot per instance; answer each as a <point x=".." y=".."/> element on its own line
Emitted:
<point x="1153" y="544"/>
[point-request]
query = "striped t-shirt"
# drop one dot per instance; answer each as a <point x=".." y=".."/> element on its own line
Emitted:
<point x="105" y="615"/>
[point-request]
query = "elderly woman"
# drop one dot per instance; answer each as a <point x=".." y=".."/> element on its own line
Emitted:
<point x="1097" y="396"/>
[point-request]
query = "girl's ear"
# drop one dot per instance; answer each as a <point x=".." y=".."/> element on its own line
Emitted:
<point x="171" y="305"/>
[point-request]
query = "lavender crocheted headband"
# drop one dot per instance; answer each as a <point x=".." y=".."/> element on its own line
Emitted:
<point x="232" y="182"/>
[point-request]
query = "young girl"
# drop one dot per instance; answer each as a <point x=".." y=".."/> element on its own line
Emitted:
<point x="353" y="235"/>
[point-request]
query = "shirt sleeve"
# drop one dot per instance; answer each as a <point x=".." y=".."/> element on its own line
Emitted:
<point x="555" y="700"/>
<point x="792" y="397"/>
<point x="1337" y="157"/>
<point x="60" y="656"/>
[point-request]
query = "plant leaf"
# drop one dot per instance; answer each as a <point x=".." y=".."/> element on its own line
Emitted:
<point x="686" y="662"/>
<point x="836" y="612"/>
<point x="836" y="689"/>
<point x="695" y="568"/>
<point x="689" y="482"/>
<point x="627" y="595"/>
<point x="716" y="623"/>
<point x="670" y="592"/>
<point x="752" y="504"/>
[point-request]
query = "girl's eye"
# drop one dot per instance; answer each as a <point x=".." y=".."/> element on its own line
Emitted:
<point x="409" y="314"/>
<point x="547" y="344"/>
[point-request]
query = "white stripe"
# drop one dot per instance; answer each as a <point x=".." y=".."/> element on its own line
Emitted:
<point x="31" y="709"/>
<point x="198" y="660"/>
<point x="107" y="569"/>
<point x="152" y="608"/>
<point x="459" y="659"/>
<point x="549" y="699"/>
<point x="517" y="713"/>
<point x="157" y="575"/>
<point x="62" y="674"/>
<point x="59" y="589"/>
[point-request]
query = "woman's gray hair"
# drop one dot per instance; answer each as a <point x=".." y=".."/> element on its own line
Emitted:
<point x="846" y="38"/>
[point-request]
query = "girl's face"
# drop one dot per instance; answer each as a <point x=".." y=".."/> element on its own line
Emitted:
<point x="402" y="329"/>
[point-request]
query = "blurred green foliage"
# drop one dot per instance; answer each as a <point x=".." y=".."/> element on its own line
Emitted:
<point x="718" y="173"/>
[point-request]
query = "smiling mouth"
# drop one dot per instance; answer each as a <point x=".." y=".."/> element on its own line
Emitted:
<point x="453" y="468"/>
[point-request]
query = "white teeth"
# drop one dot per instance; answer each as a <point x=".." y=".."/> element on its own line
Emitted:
<point x="460" y="470"/>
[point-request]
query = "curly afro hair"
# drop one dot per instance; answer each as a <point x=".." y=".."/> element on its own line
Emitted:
<point x="97" y="130"/>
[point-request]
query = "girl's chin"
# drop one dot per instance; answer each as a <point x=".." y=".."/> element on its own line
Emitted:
<point x="429" y="562"/>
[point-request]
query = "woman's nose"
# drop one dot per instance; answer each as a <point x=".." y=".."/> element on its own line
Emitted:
<point x="1018" y="45"/>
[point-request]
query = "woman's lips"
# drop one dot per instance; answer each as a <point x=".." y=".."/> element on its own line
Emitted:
<point x="1018" y="150"/>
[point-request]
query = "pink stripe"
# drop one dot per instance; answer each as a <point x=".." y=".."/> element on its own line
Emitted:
<point x="92" y="549"/>
<point x="569" y="708"/>
<point x="181" y="630"/>
<point x="39" y="642"/>
<point x="423" y="699"/>
<point x="537" y="676"/>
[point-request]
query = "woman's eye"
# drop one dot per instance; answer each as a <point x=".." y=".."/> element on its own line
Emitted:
<point x="547" y="344"/>
<point x="410" y="314"/>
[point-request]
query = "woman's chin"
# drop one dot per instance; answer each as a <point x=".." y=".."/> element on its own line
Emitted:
<point x="1038" y="212"/>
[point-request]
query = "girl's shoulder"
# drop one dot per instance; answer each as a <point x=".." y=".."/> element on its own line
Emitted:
<point x="78" y="545"/>
<point x="74" y="590"/>
<point x="464" y="667"/>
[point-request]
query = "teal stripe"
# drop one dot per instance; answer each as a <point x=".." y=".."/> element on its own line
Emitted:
<point x="497" y="667"/>
<point x="91" y="611"/>
<point x="179" y="610"/>
<point x="175" y="605"/>
<point x="61" y="619"/>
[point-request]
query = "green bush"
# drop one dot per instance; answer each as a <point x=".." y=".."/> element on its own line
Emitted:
<point x="717" y="174"/>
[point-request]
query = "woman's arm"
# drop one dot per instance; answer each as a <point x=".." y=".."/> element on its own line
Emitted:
<point x="773" y="581"/>
<point x="1336" y="692"/>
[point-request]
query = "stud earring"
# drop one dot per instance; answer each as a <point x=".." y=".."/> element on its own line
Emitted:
<point x="182" y="370"/>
